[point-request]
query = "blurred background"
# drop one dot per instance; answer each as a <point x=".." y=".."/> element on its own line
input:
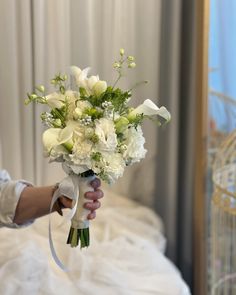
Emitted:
<point x="42" y="37"/>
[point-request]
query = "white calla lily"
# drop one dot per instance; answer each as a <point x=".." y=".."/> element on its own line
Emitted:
<point x="50" y="138"/>
<point x="65" y="134"/>
<point x="149" y="108"/>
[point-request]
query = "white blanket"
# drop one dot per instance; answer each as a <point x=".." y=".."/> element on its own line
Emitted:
<point x="125" y="256"/>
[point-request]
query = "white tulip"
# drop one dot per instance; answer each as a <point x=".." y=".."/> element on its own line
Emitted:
<point x="149" y="108"/>
<point x="100" y="87"/>
<point x="92" y="81"/>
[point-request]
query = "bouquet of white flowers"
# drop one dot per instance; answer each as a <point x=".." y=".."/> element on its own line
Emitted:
<point x="92" y="131"/>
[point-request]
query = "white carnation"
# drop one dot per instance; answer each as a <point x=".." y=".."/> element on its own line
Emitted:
<point x="82" y="150"/>
<point x="134" y="142"/>
<point x="112" y="164"/>
<point x="105" y="130"/>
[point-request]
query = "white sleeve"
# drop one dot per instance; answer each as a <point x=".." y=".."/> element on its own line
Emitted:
<point x="10" y="192"/>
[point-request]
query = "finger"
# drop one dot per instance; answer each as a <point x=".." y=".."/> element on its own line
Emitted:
<point x="67" y="203"/>
<point x="95" y="183"/>
<point x="97" y="194"/>
<point x="92" y="215"/>
<point x="92" y="206"/>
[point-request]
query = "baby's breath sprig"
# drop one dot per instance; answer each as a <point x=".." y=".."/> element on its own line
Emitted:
<point x="118" y="65"/>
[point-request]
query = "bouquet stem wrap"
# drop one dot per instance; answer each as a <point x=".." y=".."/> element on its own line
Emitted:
<point x="79" y="231"/>
<point x="74" y="187"/>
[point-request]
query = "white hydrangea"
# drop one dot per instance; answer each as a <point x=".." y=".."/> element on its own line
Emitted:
<point x="134" y="142"/>
<point x="105" y="130"/>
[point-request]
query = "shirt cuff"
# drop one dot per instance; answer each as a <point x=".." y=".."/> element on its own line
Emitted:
<point x="10" y="195"/>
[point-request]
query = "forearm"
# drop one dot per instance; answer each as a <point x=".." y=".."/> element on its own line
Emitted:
<point x="33" y="203"/>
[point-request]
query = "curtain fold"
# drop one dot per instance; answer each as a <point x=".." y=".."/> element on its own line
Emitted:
<point x="175" y="181"/>
<point x="15" y="77"/>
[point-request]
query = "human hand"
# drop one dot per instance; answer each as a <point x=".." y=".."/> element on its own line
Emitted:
<point x="94" y="196"/>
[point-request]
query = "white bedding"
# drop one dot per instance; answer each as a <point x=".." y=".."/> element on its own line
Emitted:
<point x="125" y="256"/>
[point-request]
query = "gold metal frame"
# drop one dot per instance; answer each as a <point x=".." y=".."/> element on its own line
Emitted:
<point x="199" y="223"/>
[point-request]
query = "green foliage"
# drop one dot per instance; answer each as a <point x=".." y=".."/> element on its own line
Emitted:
<point x="96" y="156"/>
<point x="137" y="120"/>
<point x="93" y="113"/>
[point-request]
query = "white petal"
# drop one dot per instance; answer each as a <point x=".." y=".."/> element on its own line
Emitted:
<point x="149" y="108"/>
<point x="50" y="138"/>
<point x="65" y="134"/>
<point x="92" y="81"/>
<point x="54" y="100"/>
<point x="164" y="113"/>
<point x="75" y="71"/>
<point x="84" y="73"/>
<point x="99" y="87"/>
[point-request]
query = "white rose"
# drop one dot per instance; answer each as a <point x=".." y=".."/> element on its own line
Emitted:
<point x="134" y="142"/>
<point x="105" y="130"/>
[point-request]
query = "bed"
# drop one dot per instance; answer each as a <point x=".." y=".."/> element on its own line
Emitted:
<point x="126" y="256"/>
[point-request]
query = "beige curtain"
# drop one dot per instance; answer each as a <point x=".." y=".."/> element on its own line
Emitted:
<point x="43" y="37"/>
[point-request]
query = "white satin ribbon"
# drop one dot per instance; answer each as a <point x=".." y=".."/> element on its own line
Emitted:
<point x="69" y="187"/>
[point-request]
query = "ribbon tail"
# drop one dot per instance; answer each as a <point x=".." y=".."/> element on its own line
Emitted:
<point x="56" y="195"/>
<point x="69" y="216"/>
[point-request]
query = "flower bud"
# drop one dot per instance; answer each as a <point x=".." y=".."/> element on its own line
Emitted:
<point x="130" y="58"/>
<point x="121" y="124"/>
<point x="33" y="96"/>
<point x="40" y="88"/>
<point x="122" y="51"/>
<point x="132" y="65"/>
<point x="116" y="65"/>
